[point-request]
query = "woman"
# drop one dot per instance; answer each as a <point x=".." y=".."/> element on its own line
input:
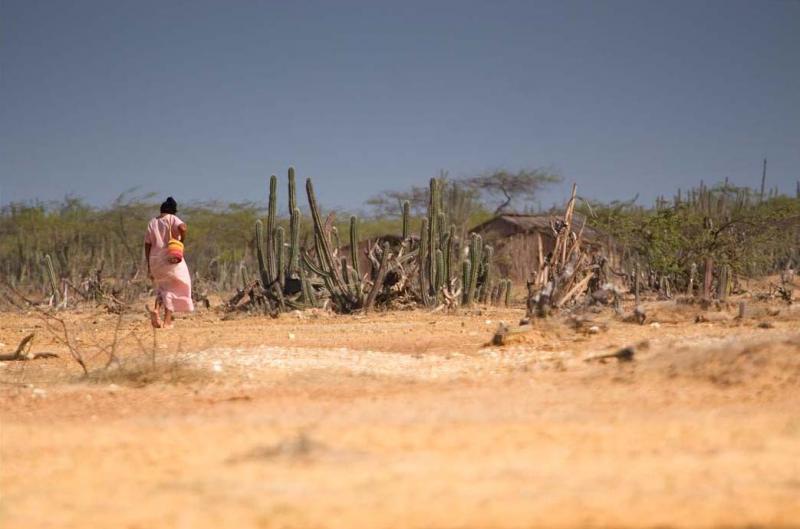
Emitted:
<point x="168" y="271"/>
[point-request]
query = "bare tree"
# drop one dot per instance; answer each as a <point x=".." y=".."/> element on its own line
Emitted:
<point x="511" y="186"/>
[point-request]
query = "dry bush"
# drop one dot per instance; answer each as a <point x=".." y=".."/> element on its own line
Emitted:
<point x="141" y="372"/>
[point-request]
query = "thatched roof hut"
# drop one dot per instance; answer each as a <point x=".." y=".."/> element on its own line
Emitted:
<point x="515" y="237"/>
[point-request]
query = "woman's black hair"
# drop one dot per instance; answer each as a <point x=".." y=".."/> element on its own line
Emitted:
<point x="169" y="206"/>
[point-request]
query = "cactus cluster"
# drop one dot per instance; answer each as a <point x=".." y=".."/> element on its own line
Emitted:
<point x="292" y="276"/>
<point x="436" y="248"/>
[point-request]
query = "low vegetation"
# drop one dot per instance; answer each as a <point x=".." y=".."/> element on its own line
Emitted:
<point x="697" y="241"/>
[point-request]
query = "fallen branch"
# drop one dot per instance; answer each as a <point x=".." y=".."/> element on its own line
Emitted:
<point x="23" y="352"/>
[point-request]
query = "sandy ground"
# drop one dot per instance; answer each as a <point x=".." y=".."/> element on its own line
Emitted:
<point x="403" y="420"/>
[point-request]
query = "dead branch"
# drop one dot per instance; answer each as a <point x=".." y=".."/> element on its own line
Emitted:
<point x="23" y="352"/>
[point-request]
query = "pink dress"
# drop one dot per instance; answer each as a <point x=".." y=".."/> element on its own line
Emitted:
<point x="173" y="282"/>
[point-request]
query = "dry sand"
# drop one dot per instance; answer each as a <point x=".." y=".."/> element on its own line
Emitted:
<point x="403" y="420"/>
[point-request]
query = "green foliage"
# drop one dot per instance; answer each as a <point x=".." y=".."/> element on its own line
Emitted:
<point x="729" y="224"/>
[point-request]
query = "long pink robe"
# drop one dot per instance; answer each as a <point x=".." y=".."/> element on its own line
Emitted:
<point x="173" y="282"/>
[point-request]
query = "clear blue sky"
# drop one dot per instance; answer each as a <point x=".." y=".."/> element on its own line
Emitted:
<point x="203" y="100"/>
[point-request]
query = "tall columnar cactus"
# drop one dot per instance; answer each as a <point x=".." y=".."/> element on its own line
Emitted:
<point x="444" y="276"/>
<point x="377" y="286"/>
<point x="51" y="277"/>
<point x="441" y="222"/>
<point x="450" y="255"/>
<point x="307" y="291"/>
<point x="271" y="213"/>
<point x="280" y="251"/>
<point x="328" y="266"/>
<point x="440" y="277"/>
<point x="292" y="190"/>
<point x="335" y="240"/>
<point x="475" y="256"/>
<point x="424" y="259"/>
<point x="345" y="273"/>
<point x="294" y="226"/>
<point x="263" y="270"/>
<point x="354" y="240"/>
<point x="406" y="216"/>
<point x="488" y="280"/>
<point x="354" y="244"/>
<point x="294" y="242"/>
<point x="466" y="274"/>
<point x="433" y="233"/>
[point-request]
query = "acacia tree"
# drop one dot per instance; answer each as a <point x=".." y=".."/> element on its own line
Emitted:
<point x="512" y="186"/>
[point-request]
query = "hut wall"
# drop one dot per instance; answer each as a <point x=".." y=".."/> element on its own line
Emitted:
<point x="517" y="256"/>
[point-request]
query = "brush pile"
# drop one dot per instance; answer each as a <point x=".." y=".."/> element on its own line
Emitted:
<point x="568" y="272"/>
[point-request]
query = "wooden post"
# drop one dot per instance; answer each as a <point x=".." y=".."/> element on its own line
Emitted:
<point x="636" y="283"/>
<point x="709" y="277"/>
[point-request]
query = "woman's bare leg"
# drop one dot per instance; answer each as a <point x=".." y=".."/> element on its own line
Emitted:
<point x="155" y="320"/>
<point x="167" y="318"/>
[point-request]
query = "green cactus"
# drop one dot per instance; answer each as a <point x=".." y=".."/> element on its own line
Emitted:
<point x="441" y="186"/>
<point x="442" y="227"/>
<point x="262" y="258"/>
<point x="294" y="226"/>
<point x="345" y="272"/>
<point x="488" y="253"/>
<point x="294" y="242"/>
<point x="424" y="285"/>
<point x="333" y="277"/>
<point x="450" y="255"/>
<point x="377" y="286"/>
<point x="433" y="237"/>
<point x="466" y="274"/>
<point x="475" y="258"/>
<point x="271" y="213"/>
<point x="354" y="244"/>
<point x="440" y="281"/>
<point x="280" y="251"/>
<point x="308" y="293"/>
<point x="335" y="240"/>
<point x="292" y="190"/>
<point x="356" y="268"/>
<point x="324" y="255"/>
